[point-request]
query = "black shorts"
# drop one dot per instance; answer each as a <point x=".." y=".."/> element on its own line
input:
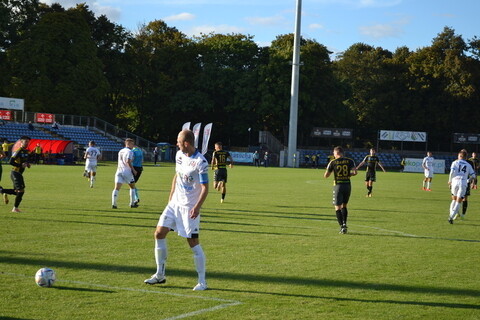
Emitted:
<point x="138" y="174"/>
<point x="341" y="193"/>
<point x="371" y="175"/>
<point x="220" y="175"/>
<point x="17" y="178"/>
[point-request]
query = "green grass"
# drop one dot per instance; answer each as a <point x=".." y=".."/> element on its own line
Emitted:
<point x="273" y="250"/>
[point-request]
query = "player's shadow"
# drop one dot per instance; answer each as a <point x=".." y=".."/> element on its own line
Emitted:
<point x="387" y="301"/>
<point x="82" y="289"/>
<point x="244" y="277"/>
<point x="408" y="236"/>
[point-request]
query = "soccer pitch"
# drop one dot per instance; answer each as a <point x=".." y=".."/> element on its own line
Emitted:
<point x="273" y="249"/>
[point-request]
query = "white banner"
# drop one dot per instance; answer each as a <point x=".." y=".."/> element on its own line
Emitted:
<point x="244" y="157"/>
<point x="196" y="132"/>
<point x="186" y="126"/>
<point x="12" y="103"/>
<point x="409" y="136"/>
<point x="206" y="137"/>
<point x="415" y="165"/>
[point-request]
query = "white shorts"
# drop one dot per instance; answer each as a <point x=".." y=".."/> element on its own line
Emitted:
<point x="458" y="188"/>
<point x="90" y="167"/>
<point x="178" y="218"/>
<point x="124" y="177"/>
<point x="428" y="173"/>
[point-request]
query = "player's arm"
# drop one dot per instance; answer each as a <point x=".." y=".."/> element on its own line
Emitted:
<point x="13" y="160"/>
<point x="361" y="163"/>
<point x="328" y="171"/>
<point x="201" y="199"/>
<point x="172" y="189"/>
<point x="380" y="165"/>
<point x="231" y="161"/>
<point x="214" y="161"/>
<point x="129" y="163"/>
<point x="2" y="154"/>
<point x="353" y="171"/>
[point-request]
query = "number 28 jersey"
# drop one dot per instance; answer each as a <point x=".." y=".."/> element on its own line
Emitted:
<point x="341" y="168"/>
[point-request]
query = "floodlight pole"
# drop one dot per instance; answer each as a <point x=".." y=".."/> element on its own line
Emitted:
<point x="292" y="132"/>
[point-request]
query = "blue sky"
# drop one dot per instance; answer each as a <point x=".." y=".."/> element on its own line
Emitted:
<point x="336" y="24"/>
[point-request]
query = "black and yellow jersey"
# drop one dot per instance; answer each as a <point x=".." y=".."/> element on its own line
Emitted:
<point x="341" y="168"/>
<point x="475" y="162"/>
<point x="220" y="159"/>
<point x="371" y="162"/>
<point x="19" y="157"/>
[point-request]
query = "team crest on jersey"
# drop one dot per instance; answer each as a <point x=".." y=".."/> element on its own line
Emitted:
<point x="192" y="163"/>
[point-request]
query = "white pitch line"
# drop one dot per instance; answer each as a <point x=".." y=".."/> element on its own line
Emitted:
<point x="390" y="231"/>
<point x="229" y="303"/>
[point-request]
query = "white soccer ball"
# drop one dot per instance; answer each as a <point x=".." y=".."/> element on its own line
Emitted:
<point x="45" y="277"/>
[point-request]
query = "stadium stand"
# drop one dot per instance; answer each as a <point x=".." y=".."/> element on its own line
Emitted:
<point x="82" y="135"/>
<point x="79" y="135"/>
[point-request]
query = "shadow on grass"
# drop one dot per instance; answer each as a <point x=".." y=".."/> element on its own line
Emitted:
<point x="412" y="237"/>
<point x="82" y="289"/>
<point x="228" y="276"/>
<point x="415" y="303"/>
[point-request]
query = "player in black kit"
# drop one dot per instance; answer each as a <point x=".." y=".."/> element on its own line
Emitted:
<point x="371" y="174"/>
<point x="342" y="168"/>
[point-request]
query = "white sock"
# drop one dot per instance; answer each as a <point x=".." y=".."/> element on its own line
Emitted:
<point x="160" y="257"/>
<point x="199" y="259"/>
<point x="452" y="204"/>
<point x="136" y="194"/>
<point x="455" y="210"/>
<point x="132" y="196"/>
<point x="428" y="185"/>
<point x="92" y="180"/>
<point x="114" y="197"/>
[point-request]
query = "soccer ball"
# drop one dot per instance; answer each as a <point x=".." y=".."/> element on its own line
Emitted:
<point x="45" y="277"/>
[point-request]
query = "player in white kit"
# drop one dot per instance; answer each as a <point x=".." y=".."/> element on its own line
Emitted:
<point x="182" y="213"/>
<point x="92" y="155"/>
<point x="460" y="173"/>
<point x="427" y="165"/>
<point x="124" y="174"/>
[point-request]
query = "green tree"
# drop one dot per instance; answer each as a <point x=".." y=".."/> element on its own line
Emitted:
<point x="56" y="68"/>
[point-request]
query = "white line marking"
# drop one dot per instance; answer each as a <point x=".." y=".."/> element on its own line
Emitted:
<point x="225" y="303"/>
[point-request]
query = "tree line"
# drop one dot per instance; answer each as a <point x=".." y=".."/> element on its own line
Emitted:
<point x="153" y="80"/>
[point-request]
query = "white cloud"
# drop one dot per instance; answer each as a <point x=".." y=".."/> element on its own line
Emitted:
<point x="113" y="13"/>
<point x="386" y="30"/>
<point x="314" y="26"/>
<point x="266" y="21"/>
<point x="180" y="17"/>
<point x="206" y="29"/>
<point x="380" y="31"/>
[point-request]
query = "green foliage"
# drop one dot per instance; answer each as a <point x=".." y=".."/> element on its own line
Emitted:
<point x="152" y="81"/>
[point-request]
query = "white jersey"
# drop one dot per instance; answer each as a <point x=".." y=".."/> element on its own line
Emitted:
<point x="428" y="162"/>
<point x="123" y="156"/>
<point x="191" y="172"/>
<point x="91" y="156"/>
<point x="461" y="170"/>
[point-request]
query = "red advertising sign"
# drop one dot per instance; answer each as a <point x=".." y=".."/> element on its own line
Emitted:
<point x="44" y="117"/>
<point x="5" y="115"/>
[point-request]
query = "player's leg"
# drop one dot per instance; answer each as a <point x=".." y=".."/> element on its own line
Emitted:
<point x="139" y="171"/>
<point x="199" y="260"/>
<point x="429" y="184"/>
<point x="133" y="203"/>
<point x="116" y="190"/>
<point x="19" y="187"/>
<point x="160" y="255"/>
